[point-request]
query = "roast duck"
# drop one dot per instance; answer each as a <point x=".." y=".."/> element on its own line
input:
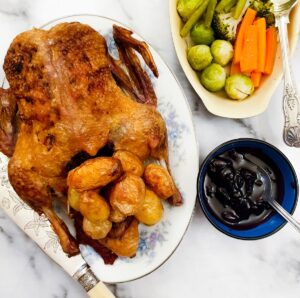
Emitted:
<point x="69" y="101"/>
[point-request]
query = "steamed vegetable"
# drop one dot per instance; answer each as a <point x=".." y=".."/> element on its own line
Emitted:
<point x="262" y="40"/>
<point x="238" y="86"/>
<point x="199" y="57"/>
<point x="186" y="8"/>
<point x="213" y="77"/>
<point x="229" y="5"/>
<point x="225" y="5"/>
<point x="271" y="49"/>
<point x="264" y="9"/>
<point x="210" y="12"/>
<point x="239" y="8"/>
<point x="235" y="68"/>
<point x="194" y="18"/>
<point x="222" y="51"/>
<point x="201" y="34"/>
<point x="249" y="58"/>
<point x="256" y="77"/>
<point x="225" y="25"/>
<point x="238" y="46"/>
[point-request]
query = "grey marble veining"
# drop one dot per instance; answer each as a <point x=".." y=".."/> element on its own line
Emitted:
<point x="207" y="263"/>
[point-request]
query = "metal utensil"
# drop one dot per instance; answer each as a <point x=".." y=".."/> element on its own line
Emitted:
<point x="268" y="194"/>
<point x="291" y="102"/>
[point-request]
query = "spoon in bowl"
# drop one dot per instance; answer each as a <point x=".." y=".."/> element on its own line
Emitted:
<point x="268" y="194"/>
<point x="291" y="101"/>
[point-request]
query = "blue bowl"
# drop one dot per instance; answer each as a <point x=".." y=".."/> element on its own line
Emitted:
<point x="274" y="222"/>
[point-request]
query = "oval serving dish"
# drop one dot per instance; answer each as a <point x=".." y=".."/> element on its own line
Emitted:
<point x="158" y="242"/>
<point x="217" y="103"/>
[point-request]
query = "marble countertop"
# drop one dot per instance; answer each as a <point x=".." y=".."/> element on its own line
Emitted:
<point x="207" y="263"/>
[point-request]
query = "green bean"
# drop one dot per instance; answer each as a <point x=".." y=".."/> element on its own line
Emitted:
<point x="222" y="4"/>
<point x="193" y="19"/>
<point x="199" y="2"/>
<point x="228" y="7"/>
<point x="210" y="12"/>
<point x="239" y="8"/>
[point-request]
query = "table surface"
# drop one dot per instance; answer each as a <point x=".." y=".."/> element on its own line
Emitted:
<point x="207" y="263"/>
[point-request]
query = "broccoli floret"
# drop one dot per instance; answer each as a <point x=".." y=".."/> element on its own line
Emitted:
<point x="225" y="25"/>
<point x="264" y="9"/>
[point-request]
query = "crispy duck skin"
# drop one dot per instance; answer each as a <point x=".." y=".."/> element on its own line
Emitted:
<point x="65" y="101"/>
<point x="8" y="108"/>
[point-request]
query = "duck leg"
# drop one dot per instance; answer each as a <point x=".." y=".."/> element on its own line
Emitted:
<point x="68" y="243"/>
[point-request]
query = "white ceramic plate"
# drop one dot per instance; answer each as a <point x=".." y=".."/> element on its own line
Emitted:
<point x="157" y="243"/>
<point x="217" y="103"/>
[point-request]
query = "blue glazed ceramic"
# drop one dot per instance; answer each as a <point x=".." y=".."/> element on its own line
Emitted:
<point x="274" y="222"/>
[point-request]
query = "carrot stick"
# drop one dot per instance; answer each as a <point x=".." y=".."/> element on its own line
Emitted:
<point x="239" y="43"/>
<point x="235" y="68"/>
<point x="249" y="58"/>
<point x="262" y="40"/>
<point x="256" y="77"/>
<point x="271" y="50"/>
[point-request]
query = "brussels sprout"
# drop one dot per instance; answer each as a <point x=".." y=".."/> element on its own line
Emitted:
<point x="222" y="51"/>
<point x="186" y="7"/>
<point x="238" y="86"/>
<point x="199" y="56"/>
<point x="213" y="77"/>
<point x="201" y="34"/>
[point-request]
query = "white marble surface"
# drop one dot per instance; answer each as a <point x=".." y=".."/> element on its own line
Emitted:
<point x="207" y="263"/>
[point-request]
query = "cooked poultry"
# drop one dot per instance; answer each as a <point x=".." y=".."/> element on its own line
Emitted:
<point x="63" y="100"/>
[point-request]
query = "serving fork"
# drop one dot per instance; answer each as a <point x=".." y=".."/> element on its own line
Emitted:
<point x="291" y="101"/>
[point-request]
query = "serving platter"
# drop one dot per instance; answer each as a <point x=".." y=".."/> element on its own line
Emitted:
<point x="157" y="243"/>
<point x="217" y="103"/>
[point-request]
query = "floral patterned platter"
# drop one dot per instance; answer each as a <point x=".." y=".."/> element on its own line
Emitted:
<point x="158" y="242"/>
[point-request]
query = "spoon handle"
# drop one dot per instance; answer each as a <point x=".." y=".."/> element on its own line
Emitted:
<point x="285" y="214"/>
<point x="291" y="102"/>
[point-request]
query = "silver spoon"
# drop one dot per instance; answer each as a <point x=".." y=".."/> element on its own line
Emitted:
<point x="291" y="103"/>
<point x="268" y="194"/>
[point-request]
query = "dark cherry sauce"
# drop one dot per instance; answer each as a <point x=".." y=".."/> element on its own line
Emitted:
<point x="234" y="191"/>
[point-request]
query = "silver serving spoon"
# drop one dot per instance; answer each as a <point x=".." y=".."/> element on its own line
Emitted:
<point x="268" y="193"/>
<point x="291" y="102"/>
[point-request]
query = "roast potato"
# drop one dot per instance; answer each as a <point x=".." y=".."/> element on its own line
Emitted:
<point x="130" y="162"/>
<point x="94" y="173"/>
<point x="94" y="207"/>
<point x="127" y="195"/>
<point x="159" y="180"/>
<point x="74" y="199"/>
<point x="127" y="245"/>
<point x="152" y="209"/>
<point x="116" y="216"/>
<point x="96" y="231"/>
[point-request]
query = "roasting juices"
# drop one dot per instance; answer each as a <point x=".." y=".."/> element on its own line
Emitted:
<point x="234" y="191"/>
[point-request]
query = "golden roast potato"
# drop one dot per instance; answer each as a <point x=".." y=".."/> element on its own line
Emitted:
<point x="130" y="162"/>
<point x="74" y="199"/>
<point x="94" y="207"/>
<point x="152" y="209"/>
<point x="96" y="231"/>
<point x="95" y="173"/>
<point x="127" y="195"/>
<point x="116" y="216"/>
<point x="159" y="180"/>
<point x="127" y="245"/>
